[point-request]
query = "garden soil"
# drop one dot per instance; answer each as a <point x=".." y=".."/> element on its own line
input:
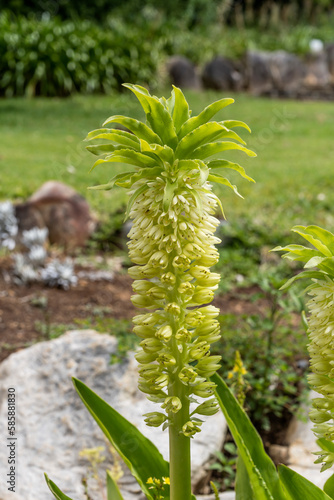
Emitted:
<point x="25" y="309"/>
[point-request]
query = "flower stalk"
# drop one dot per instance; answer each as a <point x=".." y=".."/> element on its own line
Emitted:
<point x="172" y="247"/>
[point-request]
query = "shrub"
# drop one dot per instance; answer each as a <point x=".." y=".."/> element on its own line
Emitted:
<point x="54" y="58"/>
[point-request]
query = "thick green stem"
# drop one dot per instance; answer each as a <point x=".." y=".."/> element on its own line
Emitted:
<point x="179" y="450"/>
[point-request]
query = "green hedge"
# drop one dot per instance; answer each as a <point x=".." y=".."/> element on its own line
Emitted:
<point x="53" y="57"/>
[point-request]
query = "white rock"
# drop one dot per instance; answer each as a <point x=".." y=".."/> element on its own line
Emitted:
<point x="53" y="426"/>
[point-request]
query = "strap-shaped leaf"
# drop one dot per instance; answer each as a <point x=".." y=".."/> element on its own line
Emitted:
<point x="181" y="112"/>
<point x="302" y="275"/>
<point x="204" y="116"/>
<point x="129" y="157"/>
<point x="102" y="149"/>
<point x="243" y="488"/>
<point x="299" y="488"/>
<point x="202" y="135"/>
<point x="236" y="123"/>
<point x="57" y="493"/>
<point x="298" y="252"/>
<point x="231" y="165"/>
<point x="118" y="180"/>
<point x="320" y="238"/>
<point x="157" y="115"/>
<point x="222" y="180"/>
<point x="138" y="452"/>
<point x="118" y="136"/>
<point x="139" y="128"/>
<point x="218" y="147"/>
<point x="164" y="153"/>
<point x="261" y="471"/>
<point x="329" y="486"/>
<point x="113" y="492"/>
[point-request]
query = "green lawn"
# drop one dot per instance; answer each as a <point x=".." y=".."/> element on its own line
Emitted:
<point x="41" y="139"/>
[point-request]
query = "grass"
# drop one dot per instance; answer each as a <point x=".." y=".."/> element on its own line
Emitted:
<point x="42" y="139"/>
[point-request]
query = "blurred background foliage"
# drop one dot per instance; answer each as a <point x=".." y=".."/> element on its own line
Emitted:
<point x="60" y="47"/>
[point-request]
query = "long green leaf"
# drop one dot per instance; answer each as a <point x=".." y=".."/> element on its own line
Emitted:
<point x="299" y="488"/>
<point x="139" y="128"/>
<point x="222" y="180"/>
<point x="303" y="274"/>
<point x="298" y="252"/>
<point x="243" y="488"/>
<point x="236" y="123"/>
<point x="129" y="157"/>
<point x="202" y="135"/>
<point x="114" y="135"/>
<point x="164" y="153"/>
<point x="113" y="492"/>
<point x="58" y="494"/>
<point x="217" y="147"/>
<point x="181" y="111"/>
<point x="231" y="165"/>
<point x="261" y="470"/>
<point x="119" y="179"/>
<point x="101" y="149"/>
<point x="329" y="487"/>
<point x="204" y="116"/>
<point x="317" y="237"/>
<point x="138" y="452"/>
<point x="157" y="115"/>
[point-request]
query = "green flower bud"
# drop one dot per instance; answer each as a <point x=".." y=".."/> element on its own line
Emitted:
<point x="151" y="345"/>
<point x="183" y="335"/>
<point x="145" y="357"/>
<point x="319" y="417"/>
<point x="204" y="389"/>
<point x="200" y="272"/>
<point x="194" y="318"/>
<point x="209" y="407"/>
<point x="181" y="262"/>
<point x="186" y="289"/>
<point x="187" y="375"/>
<point x="155" y="418"/>
<point x="211" y="281"/>
<point x="168" y="278"/>
<point x="144" y="331"/>
<point x="172" y="404"/>
<point x="202" y="296"/>
<point x="166" y="360"/>
<point x="142" y="301"/>
<point x="164" y="333"/>
<point x="189" y="429"/>
<point x="199" y="350"/>
<point x="173" y="308"/>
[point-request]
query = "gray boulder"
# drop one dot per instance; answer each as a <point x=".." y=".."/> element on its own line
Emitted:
<point x="222" y="74"/>
<point x="182" y="73"/>
<point x="53" y="426"/>
<point x="318" y="74"/>
<point x="277" y="72"/>
<point x="330" y="59"/>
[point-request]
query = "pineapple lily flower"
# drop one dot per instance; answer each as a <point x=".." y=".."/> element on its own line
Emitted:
<point x="172" y="246"/>
<point x="320" y="327"/>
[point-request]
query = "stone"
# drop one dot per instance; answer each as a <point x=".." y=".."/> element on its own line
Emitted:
<point x="53" y="425"/>
<point x="182" y="73"/>
<point x="277" y="72"/>
<point x="64" y="212"/>
<point x="330" y="59"/>
<point x="222" y="74"/>
<point x="302" y="444"/>
<point x="318" y="74"/>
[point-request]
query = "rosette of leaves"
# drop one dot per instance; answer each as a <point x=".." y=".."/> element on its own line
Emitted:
<point x="172" y="245"/>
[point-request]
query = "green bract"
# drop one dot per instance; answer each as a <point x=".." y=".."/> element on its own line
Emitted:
<point x="320" y="327"/>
